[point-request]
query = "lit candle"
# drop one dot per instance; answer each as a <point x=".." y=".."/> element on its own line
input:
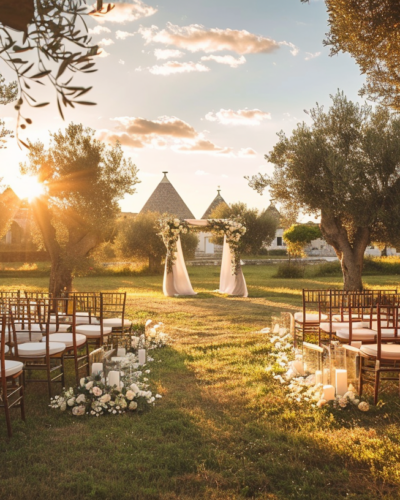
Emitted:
<point x="113" y="378"/>
<point x="329" y="392"/>
<point x="97" y="368"/>
<point x="142" y="356"/>
<point x="341" y="382"/>
<point x="121" y="352"/>
<point x="318" y="377"/>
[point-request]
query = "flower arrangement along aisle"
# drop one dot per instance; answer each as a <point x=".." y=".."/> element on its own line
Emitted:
<point x="94" y="396"/>
<point x="171" y="228"/>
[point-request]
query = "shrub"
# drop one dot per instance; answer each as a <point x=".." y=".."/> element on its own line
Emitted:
<point x="290" y="270"/>
<point x="373" y="266"/>
<point x="328" y="269"/>
<point x="276" y="252"/>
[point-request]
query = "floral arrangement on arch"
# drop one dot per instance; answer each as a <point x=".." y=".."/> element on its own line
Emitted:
<point x="233" y="230"/>
<point x="171" y="228"/>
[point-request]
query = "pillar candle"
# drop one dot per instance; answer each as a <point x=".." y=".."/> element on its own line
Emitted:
<point x="341" y="382"/>
<point x="276" y="329"/>
<point x="329" y="392"/>
<point x="113" y="378"/>
<point x="298" y="365"/>
<point x="121" y="352"/>
<point x="97" y="368"/>
<point x="318" y="377"/>
<point x="142" y="356"/>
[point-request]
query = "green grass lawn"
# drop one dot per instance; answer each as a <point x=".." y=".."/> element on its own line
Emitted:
<point x="223" y="429"/>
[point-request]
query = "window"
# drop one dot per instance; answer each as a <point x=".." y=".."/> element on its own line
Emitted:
<point x="279" y="241"/>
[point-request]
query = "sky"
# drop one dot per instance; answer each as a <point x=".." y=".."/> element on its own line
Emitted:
<point x="199" y="89"/>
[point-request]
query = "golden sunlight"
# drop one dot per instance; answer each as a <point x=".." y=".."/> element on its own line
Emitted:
<point x="27" y="187"/>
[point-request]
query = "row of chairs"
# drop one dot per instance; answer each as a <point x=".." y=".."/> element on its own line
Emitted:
<point x="39" y="333"/>
<point x="366" y="322"/>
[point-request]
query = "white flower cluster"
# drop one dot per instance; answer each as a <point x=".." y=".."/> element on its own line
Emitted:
<point x="95" y="397"/>
<point x="302" y="388"/>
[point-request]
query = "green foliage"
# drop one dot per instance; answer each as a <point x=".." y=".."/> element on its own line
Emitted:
<point x="260" y="227"/>
<point x="345" y="168"/>
<point x="55" y="45"/>
<point x="290" y="270"/>
<point x="84" y="181"/>
<point x="298" y="236"/>
<point x="368" y="31"/>
<point x="8" y="93"/>
<point x="373" y="266"/>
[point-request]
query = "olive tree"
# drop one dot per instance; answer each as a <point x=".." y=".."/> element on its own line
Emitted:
<point x="260" y="226"/>
<point x="8" y="93"/>
<point x="298" y="236"/>
<point x="344" y="168"/>
<point x="84" y="180"/>
<point x="368" y="30"/>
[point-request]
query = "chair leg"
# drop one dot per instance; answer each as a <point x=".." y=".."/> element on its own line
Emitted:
<point x="22" y="402"/>
<point x="7" y="410"/>
<point x="48" y="376"/>
<point x="376" y="389"/>
<point x="360" y="376"/>
<point x="87" y="359"/>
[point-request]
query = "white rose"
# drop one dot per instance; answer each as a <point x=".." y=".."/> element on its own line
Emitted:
<point x="82" y="382"/>
<point x="130" y="395"/>
<point x="135" y="388"/>
<point x="81" y="399"/>
<point x="89" y="385"/>
<point x="132" y="405"/>
<point x="176" y="222"/>
<point x="105" y="398"/>
<point x="78" y="411"/>
<point x="63" y="406"/>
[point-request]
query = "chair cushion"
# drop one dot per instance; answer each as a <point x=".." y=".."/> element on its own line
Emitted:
<point x="116" y="322"/>
<point x="389" y="351"/>
<point x="38" y="349"/>
<point x="66" y="338"/>
<point x="358" y="334"/>
<point x="84" y="320"/>
<point x="12" y="367"/>
<point x="310" y="318"/>
<point x="336" y="325"/>
<point x="92" y="331"/>
<point x="338" y="317"/>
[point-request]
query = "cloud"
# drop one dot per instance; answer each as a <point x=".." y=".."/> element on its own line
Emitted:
<point x="168" y="53"/>
<point x="310" y="55"/>
<point x="195" y="38"/>
<point x="202" y="146"/>
<point x="240" y="117"/>
<point x="174" y="67"/>
<point x="105" y="42"/>
<point x="294" y="50"/>
<point x="122" y="35"/>
<point x="201" y="172"/>
<point x="121" y="61"/>
<point x="165" y="131"/>
<point x="127" y="12"/>
<point x="247" y="153"/>
<point x="231" y="61"/>
<point x="97" y="30"/>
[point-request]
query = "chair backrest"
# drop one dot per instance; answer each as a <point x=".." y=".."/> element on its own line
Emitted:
<point x="387" y="322"/>
<point x="112" y="305"/>
<point x="3" y="347"/>
<point x="37" y="295"/>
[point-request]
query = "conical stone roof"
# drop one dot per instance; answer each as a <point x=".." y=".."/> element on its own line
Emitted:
<point x="217" y="201"/>
<point x="166" y="199"/>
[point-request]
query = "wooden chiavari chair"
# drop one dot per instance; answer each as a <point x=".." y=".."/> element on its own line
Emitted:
<point x="382" y="357"/>
<point x="64" y="317"/>
<point x="41" y="355"/>
<point x="11" y="373"/>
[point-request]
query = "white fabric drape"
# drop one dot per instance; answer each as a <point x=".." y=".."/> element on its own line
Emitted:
<point x="228" y="282"/>
<point x="177" y="282"/>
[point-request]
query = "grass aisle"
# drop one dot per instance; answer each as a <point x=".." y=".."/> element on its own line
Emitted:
<point x="223" y="429"/>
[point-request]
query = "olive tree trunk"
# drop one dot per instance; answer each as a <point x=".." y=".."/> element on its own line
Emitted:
<point x="350" y="255"/>
<point x="62" y="259"/>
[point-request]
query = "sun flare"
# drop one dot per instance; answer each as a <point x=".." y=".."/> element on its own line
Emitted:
<point x="27" y="187"/>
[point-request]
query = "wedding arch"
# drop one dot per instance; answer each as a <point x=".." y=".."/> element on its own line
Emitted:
<point x="176" y="278"/>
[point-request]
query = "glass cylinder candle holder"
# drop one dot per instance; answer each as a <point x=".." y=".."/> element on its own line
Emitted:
<point x="312" y="357"/>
